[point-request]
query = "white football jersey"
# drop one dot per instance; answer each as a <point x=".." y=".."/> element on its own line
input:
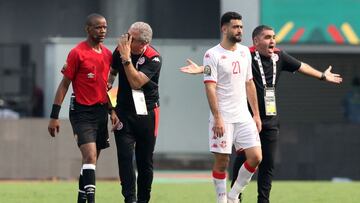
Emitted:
<point x="229" y="70"/>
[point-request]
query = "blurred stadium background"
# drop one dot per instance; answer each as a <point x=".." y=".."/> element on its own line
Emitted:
<point x="318" y="139"/>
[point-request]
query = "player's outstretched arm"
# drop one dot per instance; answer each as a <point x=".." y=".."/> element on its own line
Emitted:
<point x="327" y="75"/>
<point x="192" y="68"/>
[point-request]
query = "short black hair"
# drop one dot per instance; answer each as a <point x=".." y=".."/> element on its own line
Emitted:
<point x="228" y="16"/>
<point x="259" y="29"/>
<point x="90" y="18"/>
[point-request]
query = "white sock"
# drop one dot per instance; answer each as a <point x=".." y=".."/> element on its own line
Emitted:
<point x="220" y="186"/>
<point x="243" y="179"/>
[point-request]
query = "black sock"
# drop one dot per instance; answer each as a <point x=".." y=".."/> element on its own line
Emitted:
<point x="89" y="182"/>
<point x="81" y="192"/>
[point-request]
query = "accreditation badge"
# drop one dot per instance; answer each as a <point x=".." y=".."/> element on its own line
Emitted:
<point x="139" y="102"/>
<point x="270" y="101"/>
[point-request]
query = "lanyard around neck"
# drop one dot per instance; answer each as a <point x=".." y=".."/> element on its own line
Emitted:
<point x="258" y="59"/>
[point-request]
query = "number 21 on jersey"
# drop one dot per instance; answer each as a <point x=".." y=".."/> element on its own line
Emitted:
<point x="236" y="67"/>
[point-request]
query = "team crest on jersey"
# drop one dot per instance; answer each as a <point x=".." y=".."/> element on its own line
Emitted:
<point x="275" y="57"/>
<point x="141" y="60"/>
<point x="223" y="144"/>
<point x="242" y="53"/>
<point x="223" y="57"/>
<point x="156" y="59"/>
<point x="207" y="70"/>
<point x="207" y="55"/>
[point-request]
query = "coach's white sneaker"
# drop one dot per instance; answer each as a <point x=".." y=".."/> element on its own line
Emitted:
<point x="232" y="200"/>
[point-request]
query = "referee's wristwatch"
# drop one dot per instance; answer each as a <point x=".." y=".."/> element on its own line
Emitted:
<point x="126" y="62"/>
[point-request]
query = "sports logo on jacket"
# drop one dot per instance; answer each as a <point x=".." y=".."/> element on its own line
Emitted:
<point x="156" y="59"/>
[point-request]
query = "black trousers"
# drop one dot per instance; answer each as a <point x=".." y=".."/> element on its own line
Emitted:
<point x="268" y="137"/>
<point x="138" y="136"/>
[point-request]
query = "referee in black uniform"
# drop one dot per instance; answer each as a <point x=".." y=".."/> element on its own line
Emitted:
<point x="138" y="65"/>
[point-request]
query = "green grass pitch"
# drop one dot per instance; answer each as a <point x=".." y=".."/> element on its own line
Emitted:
<point x="179" y="192"/>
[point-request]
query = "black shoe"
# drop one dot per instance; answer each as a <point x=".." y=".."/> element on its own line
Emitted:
<point x="240" y="197"/>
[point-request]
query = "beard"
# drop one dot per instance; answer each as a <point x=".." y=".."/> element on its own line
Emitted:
<point x="234" y="39"/>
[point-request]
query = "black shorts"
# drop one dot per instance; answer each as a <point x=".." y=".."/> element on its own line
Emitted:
<point x="90" y="124"/>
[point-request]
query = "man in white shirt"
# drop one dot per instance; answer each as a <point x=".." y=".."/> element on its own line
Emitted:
<point x="229" y="85"/>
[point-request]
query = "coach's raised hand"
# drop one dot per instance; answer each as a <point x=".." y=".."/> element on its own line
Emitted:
<point x="124" y="46"/>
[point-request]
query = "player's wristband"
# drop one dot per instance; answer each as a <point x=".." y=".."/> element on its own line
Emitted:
<point x="322" y="77"/>
<point x="55" y="111"/>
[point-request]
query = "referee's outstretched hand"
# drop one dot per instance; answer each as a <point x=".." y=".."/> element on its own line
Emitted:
<point x="54" y="127"/>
